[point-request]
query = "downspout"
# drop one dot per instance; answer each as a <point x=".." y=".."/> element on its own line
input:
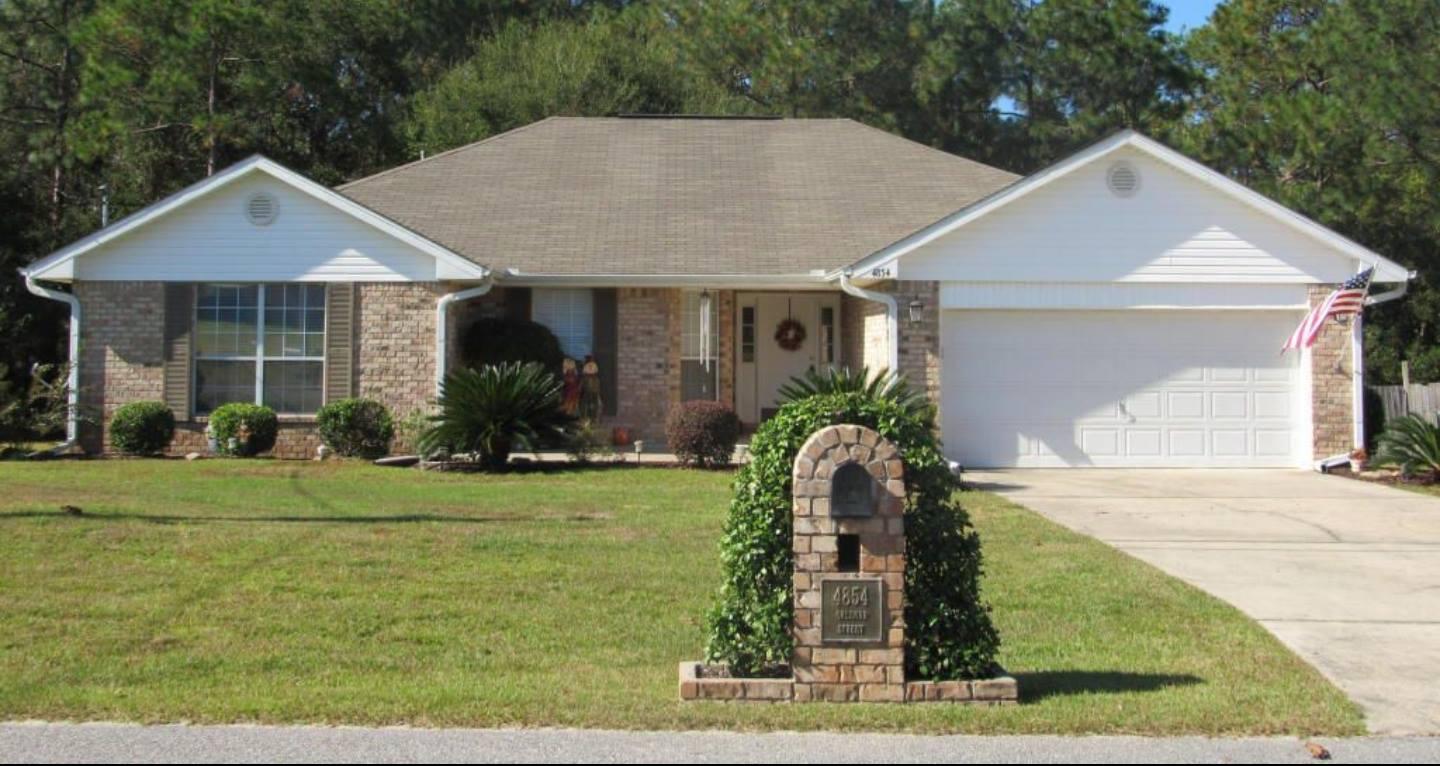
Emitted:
<point x="72" y="382"/>
<point x="892" y="316"/>
<point x="442" y="326"/>
<point x="1357" y="373"/>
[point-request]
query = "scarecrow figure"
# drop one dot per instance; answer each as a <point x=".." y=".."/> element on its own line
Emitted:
<point x="570" y="405"/>
<point x="591" y="402"/>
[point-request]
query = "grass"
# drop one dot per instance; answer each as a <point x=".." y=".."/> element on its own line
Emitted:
<point x="265" y="591"/>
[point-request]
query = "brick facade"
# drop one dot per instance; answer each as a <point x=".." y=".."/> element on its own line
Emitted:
<point x="647" y="359"/>
<point x="395" y="344"/>
<point x="1332" y="386"/>
<point x="867" y="339"/>
<point x="122" y="355"/>
<point x="920" y="340"/>
<point x="122" y="358"/>
<point x="122" y="352"/>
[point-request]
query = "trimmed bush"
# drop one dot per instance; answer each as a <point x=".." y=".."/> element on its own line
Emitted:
<point x="949" y="634"/>
<point x="142" y="428"/>
<point x="881" y="384"/>
<point x="493" y="341"/>
<point x="1412" y="444"/>
<point x="356" y="428"/>
<point x="244" y="430"/>
<point x="489" y="412"/>
<point x="702" y="433"/>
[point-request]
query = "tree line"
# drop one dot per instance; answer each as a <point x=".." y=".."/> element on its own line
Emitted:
<point x="1329" y="106"/>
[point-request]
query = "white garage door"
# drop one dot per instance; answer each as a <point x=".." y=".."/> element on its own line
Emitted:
<point x="1114" y="388"/>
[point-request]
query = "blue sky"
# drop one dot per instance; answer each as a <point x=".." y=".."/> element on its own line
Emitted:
<point x="1188" y="14"/>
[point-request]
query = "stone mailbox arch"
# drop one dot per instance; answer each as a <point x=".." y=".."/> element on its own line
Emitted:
<point x="849" y="580"/>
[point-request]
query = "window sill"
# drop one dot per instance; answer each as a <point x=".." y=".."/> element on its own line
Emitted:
<point x="285" y="419"/>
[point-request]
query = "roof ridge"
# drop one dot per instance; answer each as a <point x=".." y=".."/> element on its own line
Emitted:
<point x="447" y="152"/>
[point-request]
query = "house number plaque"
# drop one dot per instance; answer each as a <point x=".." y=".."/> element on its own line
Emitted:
<point x="852" y="610"/>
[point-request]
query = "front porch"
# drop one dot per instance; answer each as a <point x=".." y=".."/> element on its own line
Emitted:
<point x="659" y="346"/>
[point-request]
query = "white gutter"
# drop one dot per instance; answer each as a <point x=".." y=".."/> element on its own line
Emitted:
<point x="1357" y="357"/>
<point x="816" y="280"/>
<point x="442" y="326"/>
<point x="72" y="382"/>
<point x="892" y="317"/>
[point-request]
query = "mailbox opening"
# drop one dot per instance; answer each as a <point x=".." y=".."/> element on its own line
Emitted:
<point x="852" y="491"/>
<point x="848" y="547"/>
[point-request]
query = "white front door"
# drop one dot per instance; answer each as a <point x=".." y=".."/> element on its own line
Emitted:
<point x="763" y="363"/>
<point x="1122" y="388"/>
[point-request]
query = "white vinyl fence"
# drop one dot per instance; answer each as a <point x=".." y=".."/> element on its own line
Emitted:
<point x="1423" y="400"/>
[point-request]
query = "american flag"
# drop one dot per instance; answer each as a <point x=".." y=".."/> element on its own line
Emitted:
<point x="1348" y="300"/>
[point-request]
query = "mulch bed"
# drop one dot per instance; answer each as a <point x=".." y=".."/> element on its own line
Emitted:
<point x="1389" y="477"/>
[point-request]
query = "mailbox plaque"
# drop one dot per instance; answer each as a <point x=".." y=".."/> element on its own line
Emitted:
<point x="852" y="610"/>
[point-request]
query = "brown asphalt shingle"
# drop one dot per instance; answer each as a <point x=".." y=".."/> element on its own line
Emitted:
<point x="653" y="196"/>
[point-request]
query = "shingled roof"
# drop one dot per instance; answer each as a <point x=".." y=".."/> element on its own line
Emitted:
<point x="677" y="196"/>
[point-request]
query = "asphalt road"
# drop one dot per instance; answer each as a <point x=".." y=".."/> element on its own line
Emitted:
<point x="99" y="743"/>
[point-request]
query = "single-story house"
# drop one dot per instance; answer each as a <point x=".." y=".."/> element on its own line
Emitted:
<point x="1124" y="307"/>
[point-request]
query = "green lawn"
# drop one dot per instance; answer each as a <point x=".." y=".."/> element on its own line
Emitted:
<point x="341" y="593"/>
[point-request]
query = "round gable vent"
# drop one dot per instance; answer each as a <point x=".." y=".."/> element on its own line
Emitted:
<point x="1123" y="179"/>
<point x="261" y="209"/>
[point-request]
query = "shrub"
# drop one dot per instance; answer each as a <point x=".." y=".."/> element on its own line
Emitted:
<point x="882" y="384"/>
<point x="1411" y="444"/>
<point x="949" y="632"/>
<point x="489" y="412"/>
<point x="356" y="428"/>
<point x="587" y="441"/>
<point x="702" y="433"/>
<point x="142" y="428"/>
<point x="493" y="341"/>
<point x="243" y="430"/>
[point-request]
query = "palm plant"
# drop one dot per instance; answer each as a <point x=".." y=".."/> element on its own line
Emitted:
<point x="1411" y="444"/>
<point x="881" y="384"/>
<point x="491" y="411"/>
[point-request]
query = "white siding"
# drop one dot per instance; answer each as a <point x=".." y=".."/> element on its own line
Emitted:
<point x="1120" y="295"/>
<point x="212" y="240"/>
<point x="1174" y="229"/>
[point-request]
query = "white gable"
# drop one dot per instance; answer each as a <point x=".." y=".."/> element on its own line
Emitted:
<point x="1172" y="229"/>
<point x="204" y="234"/>
<point x="1183" y="224"/>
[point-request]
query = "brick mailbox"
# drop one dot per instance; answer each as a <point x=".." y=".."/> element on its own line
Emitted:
<point x="848" y="506"/>
<point x="849" y="527"/>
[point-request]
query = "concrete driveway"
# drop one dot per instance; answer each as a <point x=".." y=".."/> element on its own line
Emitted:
<point x="1347" y="574"/>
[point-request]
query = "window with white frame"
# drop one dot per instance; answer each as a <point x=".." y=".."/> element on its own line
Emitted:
<point x="570" y="314"/>
<point x="263" y="344"/>
<point x="699" y="347"/>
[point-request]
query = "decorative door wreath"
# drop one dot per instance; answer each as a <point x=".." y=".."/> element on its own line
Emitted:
<point x="790" y="334"/>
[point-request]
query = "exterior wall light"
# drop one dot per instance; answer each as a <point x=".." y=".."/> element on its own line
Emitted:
<point x="917" y="312"/>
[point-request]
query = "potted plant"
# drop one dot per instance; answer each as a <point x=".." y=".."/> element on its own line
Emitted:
<point x="1358" y="460"/>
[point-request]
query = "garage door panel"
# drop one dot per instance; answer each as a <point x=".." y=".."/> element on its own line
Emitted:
<point x="1274" y="443"/>
<point x="1186" y="405"/>
<point x="1034" y="404"/>
<point x="1100" y="441"/>
<point x="1142" y="442"/>
<point x="1272" y="405"/>
<point x="1187" y="443"/>
<point x="1151" y="388"/>
<point x="1229" y="405"/>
